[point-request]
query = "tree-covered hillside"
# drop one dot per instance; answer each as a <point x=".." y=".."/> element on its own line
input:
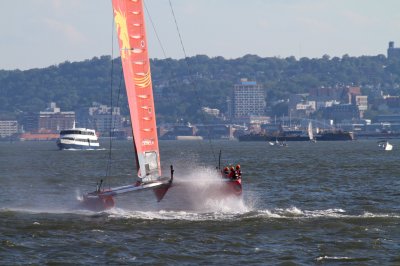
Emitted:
<point x="183" y="86"/>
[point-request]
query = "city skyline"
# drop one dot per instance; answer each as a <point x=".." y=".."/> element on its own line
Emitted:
<point x="37" y="34"/>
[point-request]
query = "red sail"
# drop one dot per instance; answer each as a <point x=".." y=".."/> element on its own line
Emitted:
<point x="130" y="25"/>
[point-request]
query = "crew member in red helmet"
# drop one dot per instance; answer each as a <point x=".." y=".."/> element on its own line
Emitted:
<point x="238" y="173"/>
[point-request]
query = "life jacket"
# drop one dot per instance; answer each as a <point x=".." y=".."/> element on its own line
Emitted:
<point x="231" y="174"/>
<point x="238" y="173"/>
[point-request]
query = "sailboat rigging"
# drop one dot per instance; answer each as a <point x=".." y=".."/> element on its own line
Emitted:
<point x="130" y="25"/>
<point x="231" y="176"/>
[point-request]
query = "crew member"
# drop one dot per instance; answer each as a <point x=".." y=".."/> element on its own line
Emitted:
<point x="232" y="173"/>
<point x="226" y="171"/>
<point x="238" y="172"/>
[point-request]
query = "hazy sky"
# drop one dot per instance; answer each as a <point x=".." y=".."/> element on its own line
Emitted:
<point x="40" y="33"/>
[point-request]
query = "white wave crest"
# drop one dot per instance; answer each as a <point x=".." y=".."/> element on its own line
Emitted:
<point x="296" y="213"/>
<point x="323" y="258"/>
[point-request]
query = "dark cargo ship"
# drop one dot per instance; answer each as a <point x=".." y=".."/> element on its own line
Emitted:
<point x="300" y="136"/>
<point x="335" y="135"/>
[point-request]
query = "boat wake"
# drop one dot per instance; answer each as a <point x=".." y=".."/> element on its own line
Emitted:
<point x="218" y="211"/>
<point x="170" y="215"/>
<point x="296" y="213"/>
<point x="223" y="215"/>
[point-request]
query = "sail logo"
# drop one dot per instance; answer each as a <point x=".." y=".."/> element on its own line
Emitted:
<point x="122" y="29"/>
<point x="147" y="142"/>
<point x="144" y="80"/>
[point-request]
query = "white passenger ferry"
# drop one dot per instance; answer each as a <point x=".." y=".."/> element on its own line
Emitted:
<point x="78" y="138"/>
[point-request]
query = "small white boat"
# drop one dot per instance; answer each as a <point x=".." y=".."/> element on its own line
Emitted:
<point x="310" y="133"/>
<point x="277" y="143"/>
<point x="282" y="144"/>
<point x="385" y="145"/>
<point x="78" y="138"/>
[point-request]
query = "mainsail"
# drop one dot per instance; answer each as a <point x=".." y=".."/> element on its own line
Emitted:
<point x="310" y="131"/>
<point x="130" y="24"/>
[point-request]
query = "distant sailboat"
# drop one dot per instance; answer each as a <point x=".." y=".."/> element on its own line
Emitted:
<point x="271" y="143"/>
<point x="278" y="143"/>
<point x="385" y="145"/>
<point x="130" y="24"/>
<point x="310" y="133"/>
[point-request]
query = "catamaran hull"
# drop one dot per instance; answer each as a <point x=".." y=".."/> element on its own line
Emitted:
<point x="98" y="203"/>
<point x="104" y="200"/>
<point x="232" y="187"/>
<point x="160" y="191"/>
<point x="235" y="187"/>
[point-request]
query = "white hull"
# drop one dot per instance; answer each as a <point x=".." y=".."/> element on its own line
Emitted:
<point x="78" y="138"/>
<point x="71" y="144"/>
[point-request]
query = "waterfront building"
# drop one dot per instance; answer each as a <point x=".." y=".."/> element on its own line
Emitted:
<point x="249" y="98"/>
<point x="304" y="109"/>
<point x="30" y="122"/>
<point x="8" y="128"/>
<point x="343" y="94"/>
<point x="103" y="118"/>
<point x="350" y="93"/>
<point x="340" y="112"/>
<point x="361" y="101"/>
<point x="52" y="119"/>
<point x="324" y="104"/>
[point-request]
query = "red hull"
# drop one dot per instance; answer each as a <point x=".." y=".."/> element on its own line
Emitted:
<point x="234" y="187"/>
<point x="161" y="191"/>
<point x="98" y="203"/>
<point x="233" y="182"/>
<point x="101" y="200"/>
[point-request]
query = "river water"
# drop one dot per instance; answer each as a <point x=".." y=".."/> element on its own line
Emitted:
<point x="308" y="203"/>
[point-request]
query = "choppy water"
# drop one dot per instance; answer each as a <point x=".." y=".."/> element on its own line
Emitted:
<point x="309" y="203"/>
